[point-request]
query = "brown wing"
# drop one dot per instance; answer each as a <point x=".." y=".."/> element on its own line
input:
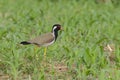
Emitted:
<point x="42" y="39"/>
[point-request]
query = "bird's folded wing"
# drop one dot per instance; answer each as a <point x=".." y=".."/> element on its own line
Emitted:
<point x="42" y="39"/>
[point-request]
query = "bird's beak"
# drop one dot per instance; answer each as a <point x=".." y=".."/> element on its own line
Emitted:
<point x="61" y="29"/>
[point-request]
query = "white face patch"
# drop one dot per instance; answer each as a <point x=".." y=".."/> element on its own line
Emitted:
<point x="54" y="28"/>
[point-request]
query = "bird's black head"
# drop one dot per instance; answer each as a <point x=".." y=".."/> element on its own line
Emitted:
<point x="56" y="27"/>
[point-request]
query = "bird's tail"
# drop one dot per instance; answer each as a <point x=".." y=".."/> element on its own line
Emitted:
<point x="25" y="43"/>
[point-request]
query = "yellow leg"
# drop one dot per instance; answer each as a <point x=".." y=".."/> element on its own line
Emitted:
<point x="35" y="49"/>
<point x="45" y="50"/>
<point x="35" y="52"/>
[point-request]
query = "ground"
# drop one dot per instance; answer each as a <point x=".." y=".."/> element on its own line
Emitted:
<point x="87" y="49"/>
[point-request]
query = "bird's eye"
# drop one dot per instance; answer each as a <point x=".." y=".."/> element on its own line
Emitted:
<point x="58" y="27"/>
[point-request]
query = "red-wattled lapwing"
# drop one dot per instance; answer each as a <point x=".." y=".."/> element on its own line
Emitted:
<point x="45" y="39"/>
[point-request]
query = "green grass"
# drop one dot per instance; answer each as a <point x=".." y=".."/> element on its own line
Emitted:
<point x="78" y="53"/>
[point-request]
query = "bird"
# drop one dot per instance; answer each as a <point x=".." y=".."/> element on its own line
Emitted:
<point x="45" y="39"/>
